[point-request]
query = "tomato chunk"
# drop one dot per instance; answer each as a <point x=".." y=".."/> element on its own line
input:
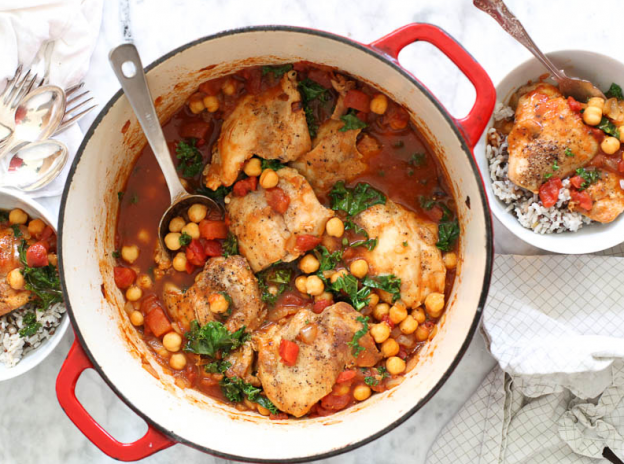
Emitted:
<point x="211" y="230"/>
<point x="195" y="253"/>
<point x="621" y="165"/>
<point x="582" y="198"/>
<point x="253" y="80"/>
<point x="211" y="87"/>
<point x="37" y="254"/>
<point x="358" y="100"/>
<point x="577" y="181"/>
<point x="307" y="242"/>
<point x="124" y="277"/>
<point x="277" y="199"/>
<point x="574" y="105"/>
<point x="549" y="192"/>
<point x="243" y="187"/>
<point x="288" y="351"/>
<point x="320" y="77"/>
<point x="157" y="321"/>
<point x="335" y="402"/>
<point x="320" y="305"/>
<point x="195" y="129"/>
<point x="213" y="248"/>
<point x="345" y="376"/>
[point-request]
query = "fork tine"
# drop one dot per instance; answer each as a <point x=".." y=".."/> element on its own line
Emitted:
<point x="11" y="84"/>
<point x="78" y="106"/>
<point x="65" y="124"/>
<point x="73" y="88"/>
<point x="16" y="90"/>
<point x="24" y="91"/>
<point x="78" y="97"/>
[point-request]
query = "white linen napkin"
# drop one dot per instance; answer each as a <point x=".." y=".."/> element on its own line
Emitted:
<point x="72" y="27"/>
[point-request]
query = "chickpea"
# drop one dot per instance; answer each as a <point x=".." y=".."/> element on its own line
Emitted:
<point x="172" y="341"/>
<point x="130" y="253"/>
<point x="314" y="285"/>
<point x="389" y="348"/>
<point x="15" y="279"/>
<point x="341" y="389"/>
<point x="197" y="212"/>
<point x="53" y="259"/>
<point x="422" y="333"/>
<point x="434" y="304"/>
<point x="334" y="227"/>
<point x="172" y="241"/>
<point x="262" y="410"/>
<point x="36" y="226"/>
<point x="268" y="179"/>
<point x="381" y="310"/>
<point x="419" y="315"/>
<point x="273" y="290"/>
<point x="610" y="145"/>
<point x="596" y="102"/>
<point x="380" y="332"/>
<point x="398" y="312"/>
<point x="361" y="392"/>
<point x="134" y="293"/>
<point x="359" y="268"/>
<point x="218" y="303"/>
<point x="300" y="283"/>
<point x="229" y="87"/>
<point x="253" y="167"/>
<point x="324" y="296"/>
<point x="196" y="105"/>
<point x="177" y="361"/>
<point x="144" y="236"/>
<point x="621" y="130"/>
<point x="337" y="275"/>
<point x="450" y="260"/>
<point x="409" y="325"/>
<point x="395" y="365"/>
<point x="191" y="229"/>
<point x="309" y="264"/>
<point x="211" y="103"/>
<point x="379" y="104"/>
<point x="136" y="318"/>
<point x="179" y="262"/>
<point x="17" y="216"/>
<point x="373" y="300"/>
<point x="144" y="281"/>
<point x="592" y="116"/>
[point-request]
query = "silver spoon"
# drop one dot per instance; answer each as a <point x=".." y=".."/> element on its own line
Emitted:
<point x="36" y="117"/>
<point x="127" y="66"/>
<point x="580" y="89"/>
<point x="35" y="165"/>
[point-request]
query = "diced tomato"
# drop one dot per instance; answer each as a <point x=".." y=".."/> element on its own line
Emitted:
<point x="574" y="105"/>
<point x="213" y="248"/>
<point x="37" y="254"/>
<point x="288" y="351"/>
<point x="577" y="181"/>
<point x="320" y="77"/>
<point x="195" y="129"/>
<point x="124" y="276"/>
<point x="358" y="100"/>
<point x="278" y="416"/>
<point x="300" y="66"/>
<point x="277" y="199"/>
<point x="621" y="165"/>
<point x="195" y="253"/>
<point x="307" y="242"/>
<point x="157" y="321"/>
<point x="345" y="376"/>
<point x="253" y="80"/>
<point x="597" y="133"/>
<point x="388" y="321"/>
<point x="47" y="233"/>
<point x="549" y="191"/>
<point x="397" y="117"/>
<point x="243" y="187"/>
<point x="16" y="162"/>
<point x="318" y="411"/>
<point x="582" y="198"/>
<point x="211" y="87"/>
<point x="211" y="230"/>
<point x="435" y="213"/>
<point x="292" y="299"/>
<point x="189" y="267"/>
<point x="320" y="305"/>
<point x="335" y="402"/>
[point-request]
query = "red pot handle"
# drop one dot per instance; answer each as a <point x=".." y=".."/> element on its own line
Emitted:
<point x="73" y="367"/>
<point x="472" y="126"/>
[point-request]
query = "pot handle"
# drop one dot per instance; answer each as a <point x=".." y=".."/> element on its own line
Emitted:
<point x="73" y="367"/>
<point x="472" y="126"/>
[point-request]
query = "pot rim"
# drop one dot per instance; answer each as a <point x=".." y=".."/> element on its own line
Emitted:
<point x="394" y="64"/>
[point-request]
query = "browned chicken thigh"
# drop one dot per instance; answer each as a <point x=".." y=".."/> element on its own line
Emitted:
<point x="547" y="139"/>
<point x="9" y="259"/>
<point x="607" y="196"/>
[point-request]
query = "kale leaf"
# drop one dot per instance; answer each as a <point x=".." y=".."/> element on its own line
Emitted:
<point x="355" y="342"/>
<point x="448" y="234"/>
<point x="589" y="177"/>
<point x="235" y="389"/>
<point x="278" y="277"/>
<point x="354" y="200"/>
<point x="272" y="164"/>
<point x="31" y="325"/>
<point x="212" y="338"/>
<point x="277" y="71"/>
<point x="608" y="128"/>
<point x="615" y="91"/>
<point x="230" y="245"/>
<point x="351" y="122"/>
<point x="388" y="283"/>
<point x="191" y="161"/>
<point x="43" y="281"/>
<point x="184" y="239"/>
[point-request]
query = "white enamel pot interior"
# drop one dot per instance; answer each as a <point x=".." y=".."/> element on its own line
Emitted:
<point x="88" y="219"/>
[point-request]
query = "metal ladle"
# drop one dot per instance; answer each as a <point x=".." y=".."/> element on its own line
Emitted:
<point x="127" y="66"/>
<point x="35" y="166"/>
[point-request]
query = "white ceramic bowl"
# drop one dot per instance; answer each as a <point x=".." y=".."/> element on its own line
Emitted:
<point x="600" y="70"/>
<point x="10" y="199"/>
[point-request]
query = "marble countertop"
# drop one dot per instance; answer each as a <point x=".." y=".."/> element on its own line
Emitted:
<point x="33" y="427"/>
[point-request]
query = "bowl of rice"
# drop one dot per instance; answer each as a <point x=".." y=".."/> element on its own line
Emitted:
<point x="20" y="353"/>
<point x="555" y="229"/>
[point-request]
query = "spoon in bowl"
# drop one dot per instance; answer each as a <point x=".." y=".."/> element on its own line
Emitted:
<point x="580" y="89"/>
<point x="35" y="165"/>
<point x="127" y="66"/>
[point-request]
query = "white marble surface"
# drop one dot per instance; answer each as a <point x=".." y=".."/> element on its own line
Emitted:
<point x="34" y="429"/>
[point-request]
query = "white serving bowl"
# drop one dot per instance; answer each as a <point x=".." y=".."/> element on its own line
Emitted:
<point x="599" y="69"/>
<point x="10" y="199"/>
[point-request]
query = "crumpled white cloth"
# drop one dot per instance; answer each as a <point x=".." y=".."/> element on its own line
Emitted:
<point x="73" y="27"/>
<point x="555" y="324"/>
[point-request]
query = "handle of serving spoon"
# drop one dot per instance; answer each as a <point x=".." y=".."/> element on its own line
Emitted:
<point x="508" y="21"/>
<point x="128" y="68"/>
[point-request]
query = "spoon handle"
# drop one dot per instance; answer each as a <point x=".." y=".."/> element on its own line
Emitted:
<point x="128" y="68"/>
<point x="508" y="21"/>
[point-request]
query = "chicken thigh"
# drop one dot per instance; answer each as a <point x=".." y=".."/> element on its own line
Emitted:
<point x="607" y="196"/>
<point x="406" y="247"/>
<point x="271" y="125"/>
<point x="9" y="259"/>
<point x="547" y="139"/>
<point x="295" y="389"/>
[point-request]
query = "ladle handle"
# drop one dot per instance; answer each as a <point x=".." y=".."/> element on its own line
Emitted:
<point x="512" y="25"/>
<point x="128" y="68"/>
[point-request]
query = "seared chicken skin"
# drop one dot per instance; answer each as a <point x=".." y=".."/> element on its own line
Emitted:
<point x="547" y="138"/>
<point x="295" y="389"/>
<point x="607" y="196"/>
<point x="241" y="364"/>
<point x="230" y="275"/>
<point x="265" y="235"/>
<point x="9" y="259"/>
<point x="406" y="247"/>
<point x="271" y="125"/>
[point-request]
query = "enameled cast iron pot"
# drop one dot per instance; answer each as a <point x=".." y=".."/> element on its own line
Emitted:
<point x="106" y="340"/>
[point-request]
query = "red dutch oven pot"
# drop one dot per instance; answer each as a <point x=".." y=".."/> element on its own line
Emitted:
<point x="107" y="342"/>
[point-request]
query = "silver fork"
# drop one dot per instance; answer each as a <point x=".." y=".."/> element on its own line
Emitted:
<point x="74" y="104"/>
<point x="13" y="93"/>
